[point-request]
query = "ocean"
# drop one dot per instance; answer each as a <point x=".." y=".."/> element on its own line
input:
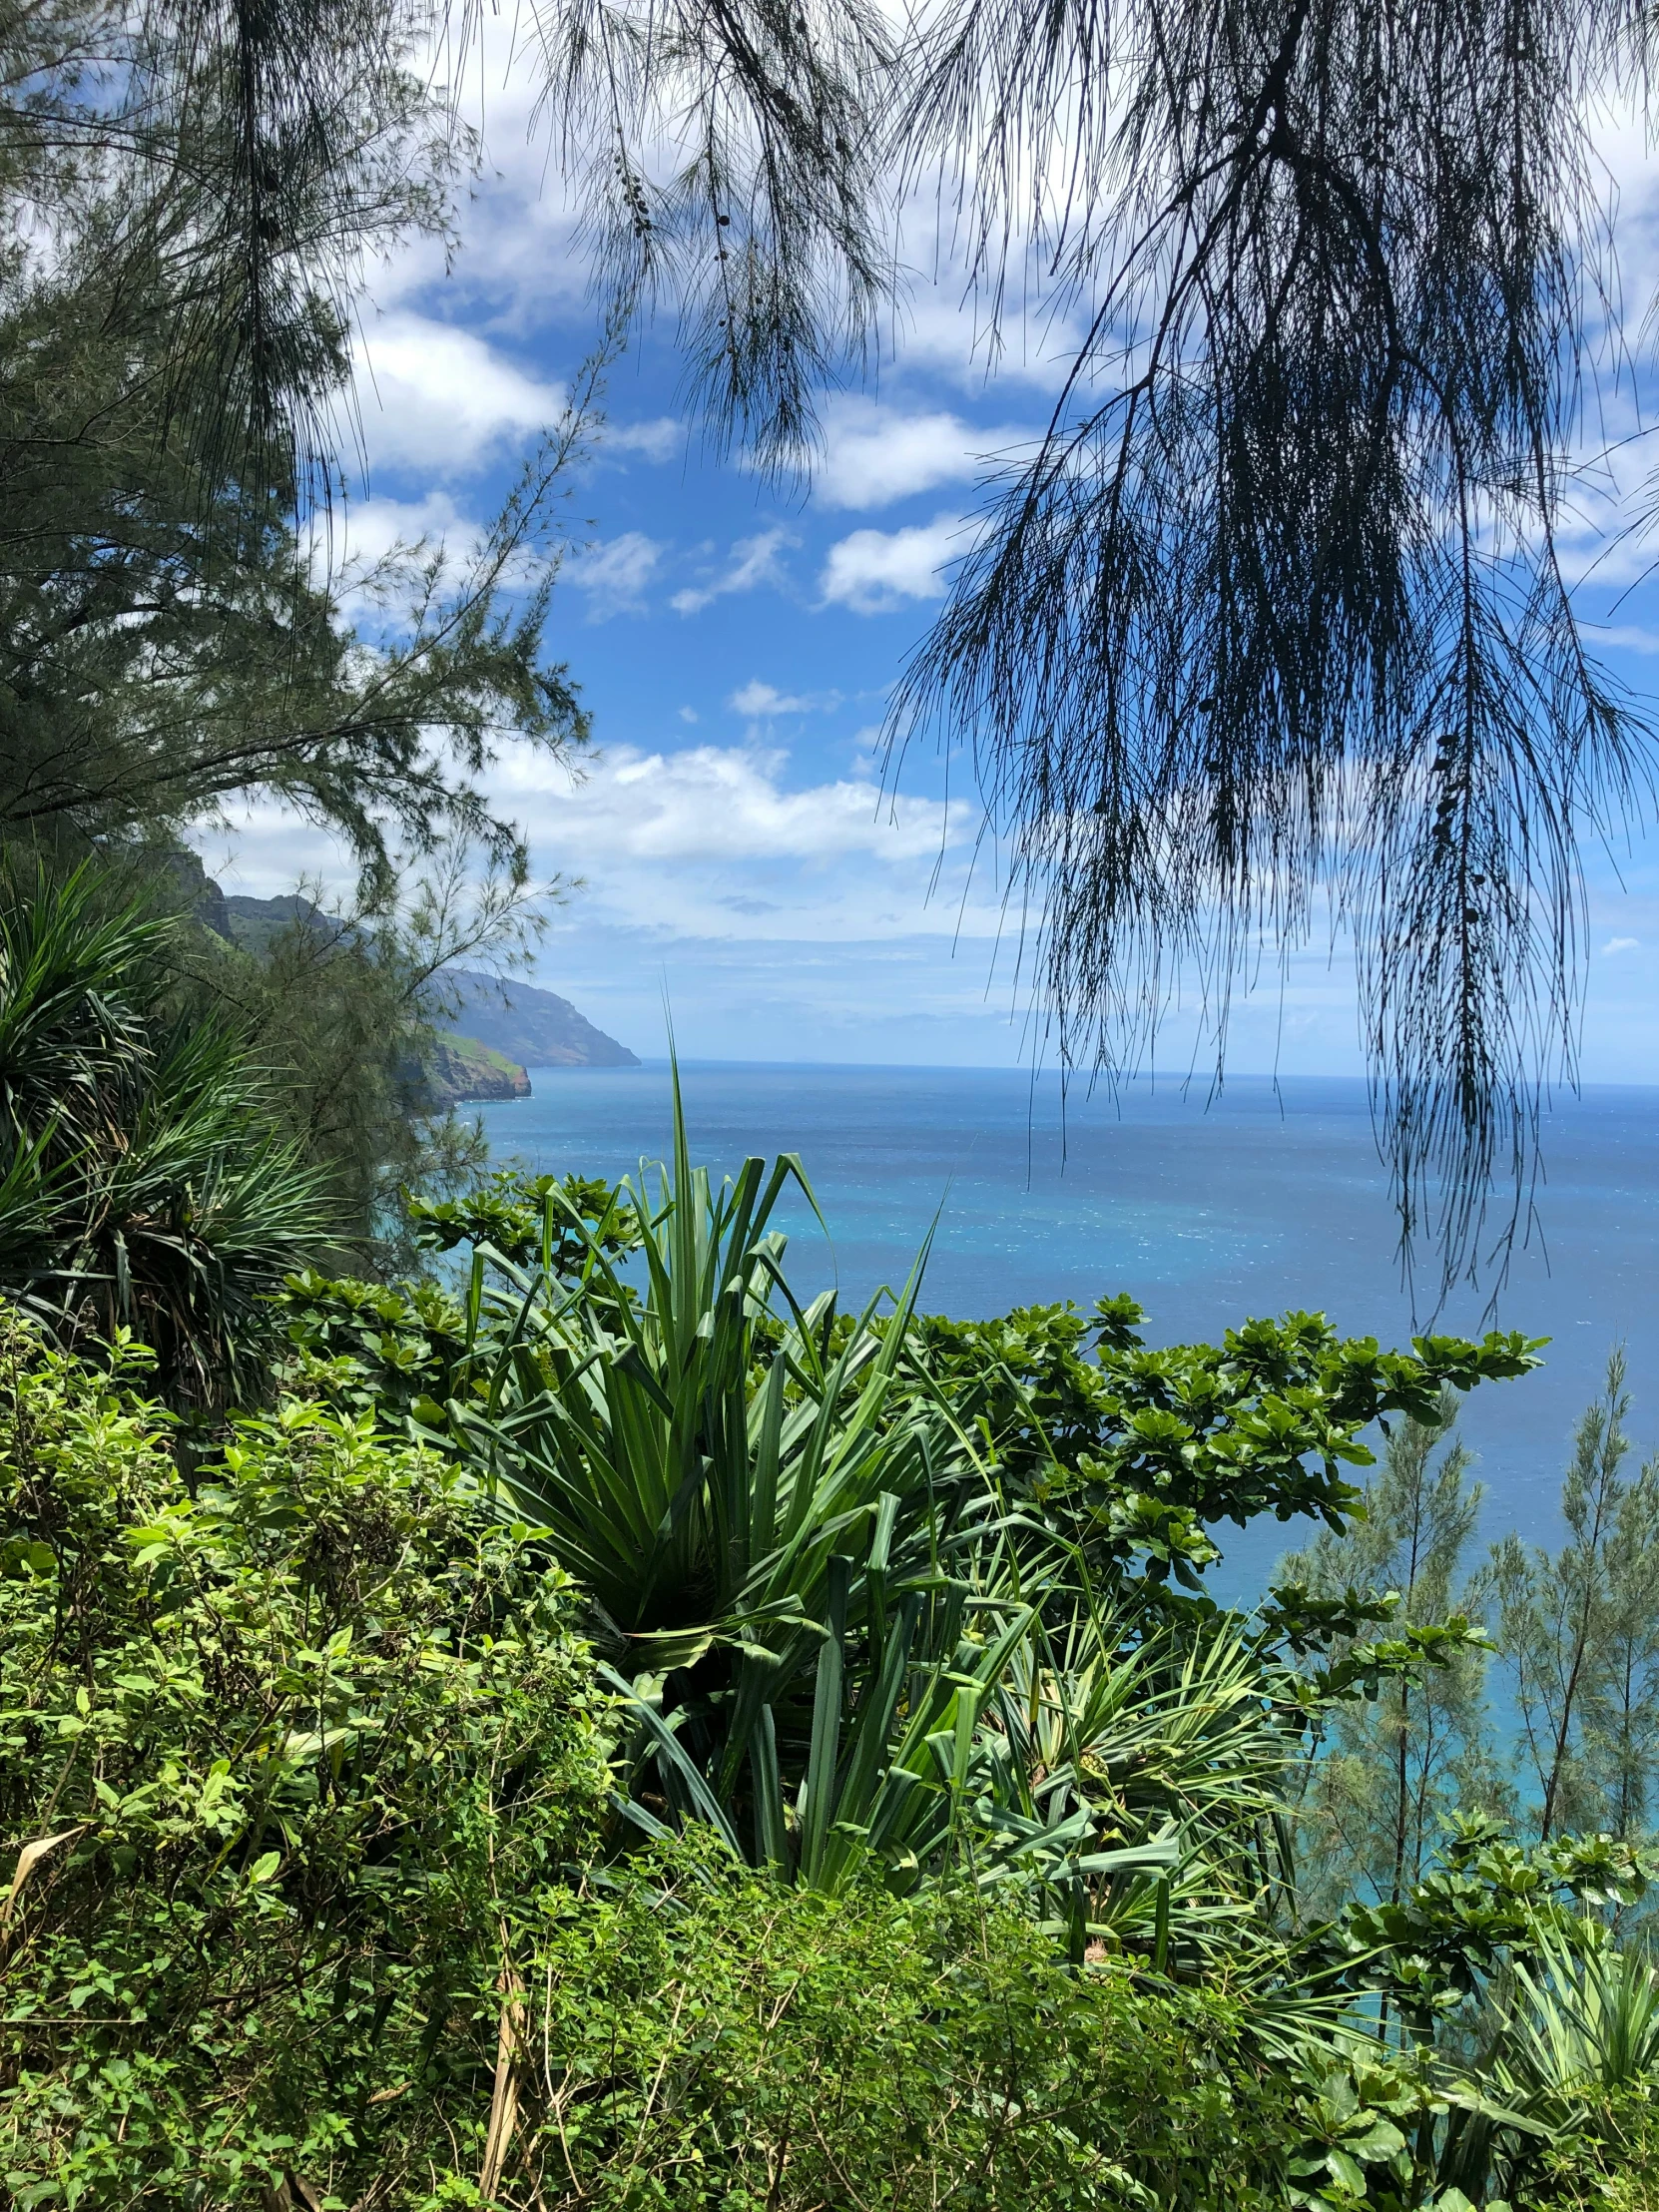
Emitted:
<point x="1268" y="1198"/>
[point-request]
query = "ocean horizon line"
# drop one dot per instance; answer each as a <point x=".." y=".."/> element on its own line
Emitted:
<point x="1079" y="1084"/>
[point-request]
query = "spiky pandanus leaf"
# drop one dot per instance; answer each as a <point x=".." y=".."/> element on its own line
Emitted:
<point x="142" y="1185"/>
<point x="710" y="1457"/>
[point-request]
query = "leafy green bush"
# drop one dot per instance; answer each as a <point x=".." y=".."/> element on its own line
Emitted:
<point x="287" y="1759"/>
<point x="701" y="2040"/>
<point x="294" y="1764"/>
<point x="1609" y="2162"/>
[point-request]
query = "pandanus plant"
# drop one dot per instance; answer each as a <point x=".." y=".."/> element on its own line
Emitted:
<point x="1118" y="1729"/>
<point x="142" y="1183"/>
<point x="1583" y="2016"/>
<point x="740" y="1482"/>
<point x="807" y="1586"/>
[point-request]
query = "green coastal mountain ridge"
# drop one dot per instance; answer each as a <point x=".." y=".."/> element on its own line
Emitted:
<point x="497" y="1028"/>
<point x="517" y="1025"/>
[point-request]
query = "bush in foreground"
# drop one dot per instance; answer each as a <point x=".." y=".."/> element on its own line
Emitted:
<point x="709" y="2038"/>
<point x="307" y="1765"/>
<point x="296" y="1752"/>
<point x="323" y="1899"/>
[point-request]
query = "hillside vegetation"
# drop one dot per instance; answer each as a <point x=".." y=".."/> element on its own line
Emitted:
<point x="505" y="1705"/>
<point x="579" y="1727"/>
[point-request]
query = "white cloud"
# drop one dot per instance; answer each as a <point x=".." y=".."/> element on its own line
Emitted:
<point x="266" y="849"/>
<point x="713" y="842"/>
<point x="757" y="699"/>
<point x="722" y="803"/>
<point x="752" y="562"/>
<point x="873" y="571"/>
<point x="614" y="573"/>
<point x="653" y="441"/>
<point x="873" y="455"/>
<point x="349" y="544"/>
<point x="359" y="533"/>
<point x="1621" y="637"/>
<point x="689" y="713"/>
<point x="441" y="400"/>
<point x="1622" y="945"/>
<point x="706" y="843"/>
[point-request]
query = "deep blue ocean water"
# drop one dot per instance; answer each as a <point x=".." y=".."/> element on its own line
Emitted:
<point x="1266" y="1199"/>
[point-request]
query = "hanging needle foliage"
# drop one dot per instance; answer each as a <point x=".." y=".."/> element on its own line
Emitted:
<point x="1269" y="633"/>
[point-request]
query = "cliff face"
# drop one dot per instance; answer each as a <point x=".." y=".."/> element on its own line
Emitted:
<point x="462" y="1072"/>
<point x="532" y="1025"/>
<point x="490" y="1031"/>
<point x="253" y="922"/>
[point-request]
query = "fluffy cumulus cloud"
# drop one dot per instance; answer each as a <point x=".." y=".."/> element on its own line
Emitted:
<point x="711" y="840"/>
<point x="360" y="532"/>
<point x="436" y="401"/>
<point x="876" y="455"/>
<point x="614" y="573"/>
<point x="875" y="571"/>
<point x="433" y="399"/>
<point x="723" y="803"/>
<point x="714" y="842"/>
<point x="354" y="542"/>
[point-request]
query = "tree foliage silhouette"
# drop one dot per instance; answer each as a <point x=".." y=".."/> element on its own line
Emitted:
<point x="1271" y="631"/>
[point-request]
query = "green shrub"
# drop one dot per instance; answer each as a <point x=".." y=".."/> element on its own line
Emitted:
<point x="718" y="2040"/>
<point x="1607" y="2161"/>
<point x="309" y="1740"/>
<point x="314" y="1905"/>
<point x="143" y="1182"/>
<point x="296" y="1763"/>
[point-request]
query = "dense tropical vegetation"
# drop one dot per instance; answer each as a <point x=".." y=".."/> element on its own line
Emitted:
<point x="501" y="1702"/>
<point x="577" y="1725"/>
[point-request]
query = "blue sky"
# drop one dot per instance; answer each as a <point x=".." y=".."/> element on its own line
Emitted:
<point x="736" y="645"/>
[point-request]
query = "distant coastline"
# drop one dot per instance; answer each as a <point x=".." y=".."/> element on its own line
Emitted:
<point x="490" y="1029"/>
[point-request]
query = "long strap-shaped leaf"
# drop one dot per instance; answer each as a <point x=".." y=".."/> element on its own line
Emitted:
<point x="818" y="1789"/>
<point x="671" y="1750"/>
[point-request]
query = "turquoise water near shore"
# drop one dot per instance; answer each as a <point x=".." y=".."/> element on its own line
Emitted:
<point x="1266" y="1198"/>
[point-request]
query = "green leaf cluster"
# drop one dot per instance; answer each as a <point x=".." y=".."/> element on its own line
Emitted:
<point x="1138" y="1453"/>
<point x="306" y="1742"/>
